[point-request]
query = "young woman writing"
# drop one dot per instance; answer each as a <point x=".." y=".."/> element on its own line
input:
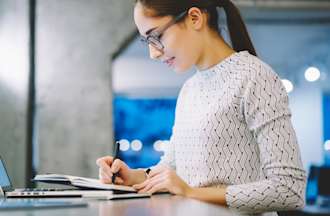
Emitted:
<point x="233" y="142"/>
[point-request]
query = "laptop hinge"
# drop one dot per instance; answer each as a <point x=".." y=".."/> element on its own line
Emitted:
<point x="2" y="193"/>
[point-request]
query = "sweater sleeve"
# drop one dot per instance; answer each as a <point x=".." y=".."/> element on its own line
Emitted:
<point x="168" y="158"/>
<point x="282" y="178"/>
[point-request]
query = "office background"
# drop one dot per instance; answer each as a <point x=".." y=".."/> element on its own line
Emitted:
<point x="95" y="84"/>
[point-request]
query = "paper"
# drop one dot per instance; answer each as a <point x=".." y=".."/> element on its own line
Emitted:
<point x="80" y="182"/>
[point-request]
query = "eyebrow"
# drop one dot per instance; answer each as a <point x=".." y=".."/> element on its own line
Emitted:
<point x="150" y="30"/>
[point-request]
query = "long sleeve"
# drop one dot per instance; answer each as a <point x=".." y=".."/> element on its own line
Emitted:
<point x="168" y="158"/>
<point x="282" y="178"/>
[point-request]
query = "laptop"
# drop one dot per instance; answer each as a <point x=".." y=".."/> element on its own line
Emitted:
<point x="8" y="191"/>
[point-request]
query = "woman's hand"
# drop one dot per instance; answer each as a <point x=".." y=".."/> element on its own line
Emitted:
<point x="161" y="179"/>
<point x="108" y="166"/>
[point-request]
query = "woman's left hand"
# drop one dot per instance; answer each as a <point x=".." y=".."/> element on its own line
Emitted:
<point x="161" y="179"/>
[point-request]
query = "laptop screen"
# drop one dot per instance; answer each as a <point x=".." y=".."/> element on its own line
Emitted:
<point x="4" y="179"/>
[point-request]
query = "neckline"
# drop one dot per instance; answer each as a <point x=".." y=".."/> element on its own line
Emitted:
<point x="212" y="70"/>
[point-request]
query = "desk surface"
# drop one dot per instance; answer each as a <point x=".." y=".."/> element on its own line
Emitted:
<point x="159" y="205"/>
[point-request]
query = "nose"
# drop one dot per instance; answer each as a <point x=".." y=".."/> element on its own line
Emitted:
<point x="154" y="52"/>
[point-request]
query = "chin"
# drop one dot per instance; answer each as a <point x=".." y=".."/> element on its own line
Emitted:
<point x="181" y="69"/>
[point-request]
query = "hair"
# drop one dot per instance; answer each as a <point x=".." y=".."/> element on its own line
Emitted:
<point x="239" y="35"/>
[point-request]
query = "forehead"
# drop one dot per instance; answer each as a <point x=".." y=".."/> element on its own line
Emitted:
<point x="144" y="20"/>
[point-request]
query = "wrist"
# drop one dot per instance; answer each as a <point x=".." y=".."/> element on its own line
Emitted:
<point x="188" y="191"/>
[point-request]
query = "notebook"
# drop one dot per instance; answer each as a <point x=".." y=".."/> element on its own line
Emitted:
<point x="82" y="182"/>
<point x="111" y="192"/>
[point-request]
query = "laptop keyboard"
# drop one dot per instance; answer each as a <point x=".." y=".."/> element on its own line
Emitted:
<point x="46" y="189"/>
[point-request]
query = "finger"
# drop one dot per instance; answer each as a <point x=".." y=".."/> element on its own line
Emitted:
<point x="107" y="159"/>
<point x="105" y="167"/>
<point x="151" y="184"/>
<point x="117" y="166"/>
<point x="104" y="179"/>
<point x="158" y="187"/>
<point x="157" y="170"/>
<point x="141" y="185"/>
<point x="156" y="173"/>
<point x="119" y="181"/>
<point x="105" y="174"/>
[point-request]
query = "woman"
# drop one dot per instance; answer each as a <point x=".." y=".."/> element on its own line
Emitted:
<point x="233" y="143"/>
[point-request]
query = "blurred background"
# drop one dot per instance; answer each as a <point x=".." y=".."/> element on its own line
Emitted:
<point x="74" y="78"/>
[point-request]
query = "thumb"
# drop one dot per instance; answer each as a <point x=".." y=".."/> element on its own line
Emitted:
<point x="119" y="181"/>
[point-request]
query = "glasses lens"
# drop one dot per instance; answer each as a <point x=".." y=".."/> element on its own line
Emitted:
<point x="155" y="42"/>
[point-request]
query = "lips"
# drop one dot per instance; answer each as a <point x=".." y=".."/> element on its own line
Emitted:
<point x="169" y="61"/>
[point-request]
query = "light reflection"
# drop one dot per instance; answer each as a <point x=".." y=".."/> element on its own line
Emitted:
<point x="136" y="145"/>
<point x="312" y="74"/>
<point x="160" y="145"/>
<point x="288" y="85"/>
<point x="327" y="145"/>
<point x="123" y="145"/>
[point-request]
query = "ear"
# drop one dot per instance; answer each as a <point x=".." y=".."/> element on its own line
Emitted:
<point x="196" y="18"/>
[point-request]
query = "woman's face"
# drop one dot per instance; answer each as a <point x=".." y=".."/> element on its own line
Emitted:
<point x="181" y="44"/>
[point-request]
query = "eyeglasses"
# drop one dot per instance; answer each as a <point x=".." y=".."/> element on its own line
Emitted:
<point x="154" y="37"/>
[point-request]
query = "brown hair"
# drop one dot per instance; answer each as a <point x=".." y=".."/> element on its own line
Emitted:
<point x="239" y="35"/>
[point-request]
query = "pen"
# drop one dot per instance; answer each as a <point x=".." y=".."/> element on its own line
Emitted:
<point x="115" y="157"/>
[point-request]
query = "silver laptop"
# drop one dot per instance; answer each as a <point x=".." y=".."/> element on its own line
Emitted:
<point x="10" y="192"/>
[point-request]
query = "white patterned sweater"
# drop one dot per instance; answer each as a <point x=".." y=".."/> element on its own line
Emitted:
<point x="232" y="127"/>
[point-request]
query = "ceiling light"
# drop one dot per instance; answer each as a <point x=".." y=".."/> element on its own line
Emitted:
<point x="312" y="74"/>
<point x="288" y="85"/>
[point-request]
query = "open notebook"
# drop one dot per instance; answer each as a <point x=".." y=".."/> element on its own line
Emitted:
<point x="81" y="182"/>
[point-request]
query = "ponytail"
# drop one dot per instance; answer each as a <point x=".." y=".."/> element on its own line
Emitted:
<point x="239" y="35"/>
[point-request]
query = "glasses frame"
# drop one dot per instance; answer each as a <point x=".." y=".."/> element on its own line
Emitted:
<point x="153" y="38"/>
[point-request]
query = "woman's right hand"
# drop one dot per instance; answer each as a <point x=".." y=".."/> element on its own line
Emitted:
<point x="108" y="166"/>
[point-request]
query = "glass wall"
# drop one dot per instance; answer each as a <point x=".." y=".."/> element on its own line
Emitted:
<point x="326" y="126"/>
<point x="143" y="127"/>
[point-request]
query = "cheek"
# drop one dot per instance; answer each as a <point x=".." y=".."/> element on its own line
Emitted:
<point x="175" y="42"/>
<point x="184" y="52"/>
<point x="187" y="57"/>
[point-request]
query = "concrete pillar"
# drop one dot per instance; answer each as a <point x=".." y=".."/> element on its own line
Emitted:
<point x="14" y="68"/>
<point x="75" y="41"/>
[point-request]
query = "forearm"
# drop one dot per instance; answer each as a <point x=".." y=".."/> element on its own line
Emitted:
<point x="208" y="194"/>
